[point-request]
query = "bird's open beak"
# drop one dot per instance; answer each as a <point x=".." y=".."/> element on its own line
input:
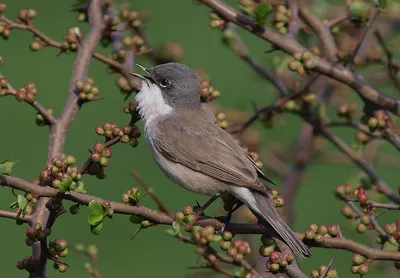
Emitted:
<point x="143" y="77"/>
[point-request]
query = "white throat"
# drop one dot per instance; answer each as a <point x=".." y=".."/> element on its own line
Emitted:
<point x="151" y="103"/>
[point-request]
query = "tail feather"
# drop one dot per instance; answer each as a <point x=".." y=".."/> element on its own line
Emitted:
<point x="263" y="207"/>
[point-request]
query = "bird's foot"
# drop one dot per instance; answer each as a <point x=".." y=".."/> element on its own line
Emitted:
<point x="200" y="211"/>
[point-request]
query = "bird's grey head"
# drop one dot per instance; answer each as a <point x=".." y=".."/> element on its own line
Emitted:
<point x="167" y="87"/>
<point x="178" y="83"/>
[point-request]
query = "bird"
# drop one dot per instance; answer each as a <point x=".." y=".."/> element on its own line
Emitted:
<point x="196" y="153"/>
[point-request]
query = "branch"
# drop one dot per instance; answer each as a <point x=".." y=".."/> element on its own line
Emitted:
<point x="392" y="68"/>
<point x="124" y="69"/>
<point x="292" y="270"/>
<point x="291" y="47"/>
<point x="381" y="185"/>
<point x="59" y="130"/>
<point x="15" y="215"/>
<point x="375" y="15"/>
<point x="38" y="107"/>
<point x="323" y="32"/>
<point x="161" y="218"/>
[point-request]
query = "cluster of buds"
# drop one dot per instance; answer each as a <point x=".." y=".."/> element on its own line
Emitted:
<point x="71" y="39"/>
<point x="28" y="263"/>
<point x="3" y="86"/>
<point x="135" y="43"/>
<point x="27" y="93"/>
<point x="332" y="273"/>
<point x="36" y="233"/>
<point x="359" y="264"/>
<point x="131" y="16"/>
<point x="204" y="235"/>
<point x="40" y="120"/>
<point x="36" y="44"/>
<point x="216" y="21"/>
<point x="58" y="248"/>
<point x="131" y="109"/>
<point x="208" y="92"/>
<point x="318" y="233"/>
<point x="348" y="212"/>
<point x="393" y="230"/>
<point x="101" y="154"/>
<point x="87" y="90"/>
<point x="346" y="110"/>
<point x="302" y="63"/>
<point x="276" y="199"/>
<point x="343" y="191"/>
<point x="118" y="55"/>
<point x="268" y="246"/>
<point x="132" y="196"/>
<point x="278" y="261"/>
<point x="127" y="134"/>
<point x="61" y="175"/>
<point x="237" y="249"/>
<point x="186" y="215"/>
<point x="30" y="197"/>
<point x="26" y="15"/>
<point x="281" y="18"/>
<point x="123" y="84"/>
<point x="361" y="137"/>
<point x="221" y="119"/>
<point x="378" y="121"/>
<point x="5" y="29"/>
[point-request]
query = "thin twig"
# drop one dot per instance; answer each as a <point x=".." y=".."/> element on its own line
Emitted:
<point x="150" y="192"/>
<point x="375" y="15"/>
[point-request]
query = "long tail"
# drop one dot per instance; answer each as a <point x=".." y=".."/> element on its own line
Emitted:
<point x="264" y="209"/>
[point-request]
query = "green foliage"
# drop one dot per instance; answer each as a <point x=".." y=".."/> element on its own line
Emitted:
<point x="97" y="215"/>
<point x="6" y="166"/>
<point x="261" y="12"/>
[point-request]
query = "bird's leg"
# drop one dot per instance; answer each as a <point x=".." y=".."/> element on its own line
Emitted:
<point x="228" y="217"/>
<point x="207" y="204"/>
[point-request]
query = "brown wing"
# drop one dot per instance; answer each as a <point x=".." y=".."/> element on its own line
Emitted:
<point x="206" y="148"/>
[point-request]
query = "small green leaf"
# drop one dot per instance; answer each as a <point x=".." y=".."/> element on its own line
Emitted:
<point x="22" y="201"/>
<point x="171" y="232"/>
<point x="138" y="194"/>
<point x="96" y="229"/>
<point x="6" y="166"/>
<point x="13" y="205"/>
<point x="177" y="227"/>
<point x="95" y="218"/>
<point x="136" y="219"/>
<point x="96" y="207"/>
<point x="261" y="12"/>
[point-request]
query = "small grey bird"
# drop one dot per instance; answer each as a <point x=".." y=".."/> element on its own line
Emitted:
<point x="196" y="153"/>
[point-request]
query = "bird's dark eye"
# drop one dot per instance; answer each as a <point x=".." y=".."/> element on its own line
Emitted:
<point x="164" y="83"/>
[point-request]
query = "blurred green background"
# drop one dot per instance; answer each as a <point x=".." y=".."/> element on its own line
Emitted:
<point x="152" y="253"/>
